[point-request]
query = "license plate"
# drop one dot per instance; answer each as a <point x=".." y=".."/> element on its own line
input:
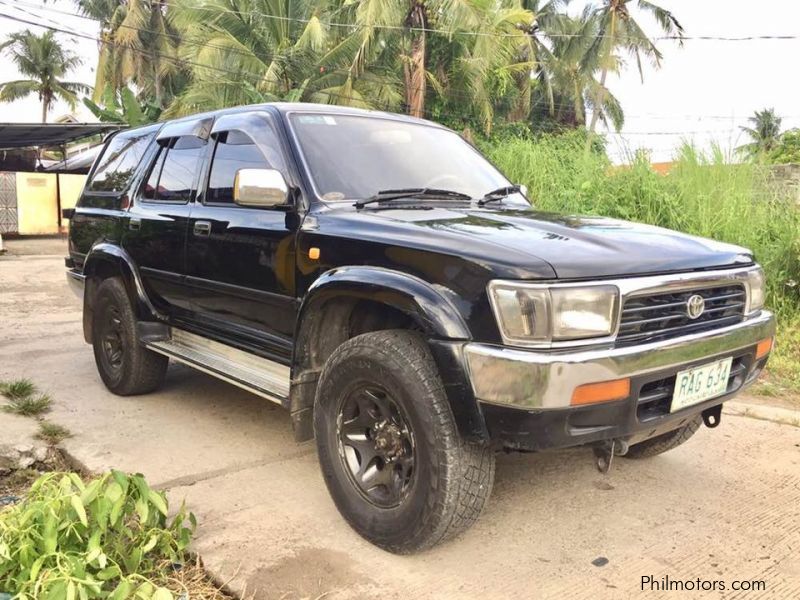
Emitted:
<point x="692" y="386"/>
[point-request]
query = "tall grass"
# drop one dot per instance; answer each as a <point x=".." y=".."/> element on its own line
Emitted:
<point x="703" y="195"/>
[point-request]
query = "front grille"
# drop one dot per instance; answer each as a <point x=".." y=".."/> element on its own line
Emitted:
<point x="664" y="315"/>
<point x="655" y="397"/>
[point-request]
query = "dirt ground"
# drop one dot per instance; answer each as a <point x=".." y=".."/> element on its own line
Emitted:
<point x="723" y="508"/>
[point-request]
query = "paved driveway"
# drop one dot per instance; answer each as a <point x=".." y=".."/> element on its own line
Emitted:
<point x="725" y="507"/>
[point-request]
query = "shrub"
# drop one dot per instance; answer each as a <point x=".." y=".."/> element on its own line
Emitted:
<point x="103" y="539"/>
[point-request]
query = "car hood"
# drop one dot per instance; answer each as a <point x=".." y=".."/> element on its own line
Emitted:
<point x="575" y="247"/>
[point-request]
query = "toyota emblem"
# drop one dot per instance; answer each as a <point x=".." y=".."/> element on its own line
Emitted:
<point x="695" y="306"/>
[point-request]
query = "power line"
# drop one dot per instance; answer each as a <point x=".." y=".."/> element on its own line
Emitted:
<point x="331" y="95"/>
<point x="446" y="32"/>
<point x="235" y="51"/>
<point x="255" y="76"/>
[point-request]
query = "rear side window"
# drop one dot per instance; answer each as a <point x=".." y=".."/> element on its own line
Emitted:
<point x="119" y="161"/>
<point x="175" y="169"/>
<point x="235" y="150"/>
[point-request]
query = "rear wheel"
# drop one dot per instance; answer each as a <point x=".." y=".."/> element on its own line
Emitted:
<point x="125" y="366"/>
<point x="392" y="458"/>
<point x="666" y="441"/>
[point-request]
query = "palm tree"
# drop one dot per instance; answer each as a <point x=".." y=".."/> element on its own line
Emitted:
<point x="765" y="133"/>
<point x="238" y="56"/>
<point x="618" y="30"/>
<point x="146" y="45"/>
<point x="110" y="14"/>
<point x="476" y="45"/>
<point x="45" y="62"/>
<point x="547" y="18"/>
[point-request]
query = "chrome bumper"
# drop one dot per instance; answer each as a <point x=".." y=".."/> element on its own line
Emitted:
<point x="77" y="282"/>
<point x="542" y="380"/>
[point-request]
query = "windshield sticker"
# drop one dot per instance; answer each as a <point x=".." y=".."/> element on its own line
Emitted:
<point x="316" y="119"/>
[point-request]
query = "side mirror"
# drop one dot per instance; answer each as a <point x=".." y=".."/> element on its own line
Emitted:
<point x="265" y="188"/>
<point x="523" y="189"/>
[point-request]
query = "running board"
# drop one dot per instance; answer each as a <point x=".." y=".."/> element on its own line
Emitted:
<point x="250" y="372"/>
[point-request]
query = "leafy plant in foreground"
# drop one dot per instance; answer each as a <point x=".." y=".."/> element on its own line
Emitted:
<point x="102" y="539"/>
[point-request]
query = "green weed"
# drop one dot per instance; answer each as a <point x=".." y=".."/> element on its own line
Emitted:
<point x="19" y="388"/>
<point x="52" y="433"/>
<point x="29" y="406"/>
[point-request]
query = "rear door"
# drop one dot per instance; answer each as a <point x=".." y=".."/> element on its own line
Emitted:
<point x="155" y="233"/>
<point x="102" y="207"/>
<point x="240" y="260"/>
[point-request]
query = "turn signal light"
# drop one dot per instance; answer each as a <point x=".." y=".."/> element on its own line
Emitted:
<point x="763" y="348"/>
<point x="605" y="391"/>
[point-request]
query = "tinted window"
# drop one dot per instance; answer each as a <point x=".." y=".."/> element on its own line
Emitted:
<point x="175" y="170"/>
<point x="234" y="151"/>
<point x="150" y="187"/>
<point x="352" y="157"/>
<point x="119" y="161"/>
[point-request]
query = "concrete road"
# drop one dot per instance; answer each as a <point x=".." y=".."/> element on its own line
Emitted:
<point x="723" y="508"/>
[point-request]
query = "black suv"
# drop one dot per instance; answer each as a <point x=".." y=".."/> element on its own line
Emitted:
<point x="376" y="276"/>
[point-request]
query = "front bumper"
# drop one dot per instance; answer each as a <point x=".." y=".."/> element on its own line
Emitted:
<point x="525" y="395"/>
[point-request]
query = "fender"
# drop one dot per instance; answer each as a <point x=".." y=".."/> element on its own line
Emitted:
<point x="430" y="309"/>
<point x="104" y="259"/>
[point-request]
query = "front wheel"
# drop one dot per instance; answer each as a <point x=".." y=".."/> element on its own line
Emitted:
<point x="392" y="458"/>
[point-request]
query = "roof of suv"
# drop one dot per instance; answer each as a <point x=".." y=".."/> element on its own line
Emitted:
<point x="288" y="107"/>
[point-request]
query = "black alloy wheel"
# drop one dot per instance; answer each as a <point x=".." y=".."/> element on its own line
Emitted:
<point x="112" y="343"/>
<point x="376" y="445"/>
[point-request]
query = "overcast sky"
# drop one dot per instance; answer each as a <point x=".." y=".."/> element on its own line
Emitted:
<point x="703" y="91"/>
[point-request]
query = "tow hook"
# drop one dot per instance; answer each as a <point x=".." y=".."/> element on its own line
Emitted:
<point x="712" y="416"/>
<point x="605" y="451"/>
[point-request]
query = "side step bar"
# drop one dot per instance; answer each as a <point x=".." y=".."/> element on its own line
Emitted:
<point x="250" y="372"/>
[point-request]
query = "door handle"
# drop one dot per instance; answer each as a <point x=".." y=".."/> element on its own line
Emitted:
<point x="135" y="224"/>
<point x="202" y="228"/>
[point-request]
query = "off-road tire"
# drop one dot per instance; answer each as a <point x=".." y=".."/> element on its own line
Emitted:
<point x="137" y="370"/>
<point x="453" y="477"/>
<point x="666" y="441"/>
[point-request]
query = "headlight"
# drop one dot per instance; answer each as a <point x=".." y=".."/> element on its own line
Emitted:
<point x="535" y="314"/>
<point x="757" y="284"/>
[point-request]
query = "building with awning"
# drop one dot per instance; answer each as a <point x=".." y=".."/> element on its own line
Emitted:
<point x="33" y="190"/>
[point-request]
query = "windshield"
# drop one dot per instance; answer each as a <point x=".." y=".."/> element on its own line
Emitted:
<point x="353" y="158"/>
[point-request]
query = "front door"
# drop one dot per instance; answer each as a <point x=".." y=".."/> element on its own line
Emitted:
<point x="240" y="260"/>
<point x="155" y="234"/>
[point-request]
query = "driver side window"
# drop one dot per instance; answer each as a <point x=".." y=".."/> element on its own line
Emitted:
<point x="234" y="150"/>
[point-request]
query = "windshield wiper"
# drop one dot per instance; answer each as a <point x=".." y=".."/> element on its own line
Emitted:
<point x="499" y="194"/>
<point x="429" y="193"/>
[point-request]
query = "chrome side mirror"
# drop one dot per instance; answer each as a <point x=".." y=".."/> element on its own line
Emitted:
<point x="263" y="188"/>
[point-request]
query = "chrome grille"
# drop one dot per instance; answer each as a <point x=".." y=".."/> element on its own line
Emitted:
<point x="664" y="315"/>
